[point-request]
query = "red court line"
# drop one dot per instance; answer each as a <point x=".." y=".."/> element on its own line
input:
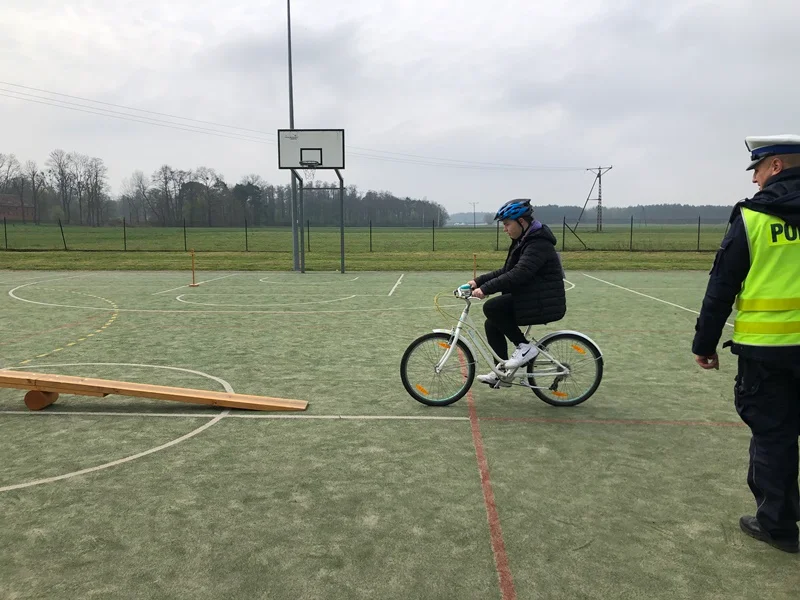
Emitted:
<point x="615" y="421"/>
<point x="495" y="531"/>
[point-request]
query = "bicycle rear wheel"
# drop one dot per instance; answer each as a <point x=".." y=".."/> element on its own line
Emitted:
<point x="418" y="370"/>
<point x="577" y="381"/>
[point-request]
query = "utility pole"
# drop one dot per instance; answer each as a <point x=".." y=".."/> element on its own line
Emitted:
<point x="600" y="171"/>
<point x="474" y="226"/>
<point x="295" y="246"/>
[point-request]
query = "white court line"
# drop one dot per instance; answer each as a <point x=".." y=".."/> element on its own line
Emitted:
<point x="180" y="299"/>
<point x="198" y="283"/>
<point x="646" y="296"/>
<point x="225" y="312"/>
<point x="216" y="419"/>
<point x="569" y="288"/>
<point x="121" y="461"/>
<point x="76" y="413"/>
<point x="396" y="284"/>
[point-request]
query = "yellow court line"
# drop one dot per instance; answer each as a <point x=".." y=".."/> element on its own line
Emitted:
<point x="82" y="339"/>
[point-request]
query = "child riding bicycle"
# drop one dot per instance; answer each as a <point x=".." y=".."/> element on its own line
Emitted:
<point x="531" y="283"/>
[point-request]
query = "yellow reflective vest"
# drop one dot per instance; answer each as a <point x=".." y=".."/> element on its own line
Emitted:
<point x="768" y="306"/>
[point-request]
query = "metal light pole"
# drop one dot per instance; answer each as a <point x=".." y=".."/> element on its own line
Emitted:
<point x="473" y="214"/>
<point x="295" y="248"/>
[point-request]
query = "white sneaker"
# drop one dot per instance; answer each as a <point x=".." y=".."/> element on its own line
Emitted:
<point x="493" y="380"/>
<point x="522" y="355"/>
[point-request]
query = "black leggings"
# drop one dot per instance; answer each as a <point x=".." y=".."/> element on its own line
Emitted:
<point x="501" y="324"/>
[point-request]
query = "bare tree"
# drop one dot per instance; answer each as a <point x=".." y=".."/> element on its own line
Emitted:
<point x="179" y="193"/>
<point x="37" y="182"/>
<point x="160" y="202"/>
<point x="208" y="177"/>
<point x="136" y="189"/>
<point x="95" y="183"/>
<point x="59" y="167"/>
<point x="78" y="167"/>
<point x="146" y="195"/>
<point x="9" y="171"/>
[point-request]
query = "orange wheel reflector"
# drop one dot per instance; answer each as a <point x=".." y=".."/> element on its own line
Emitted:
<point x="422" y="390"/>
<point x="559" y="394"/>
<point x="444" y="345"/>
<point x="578" y="349"/>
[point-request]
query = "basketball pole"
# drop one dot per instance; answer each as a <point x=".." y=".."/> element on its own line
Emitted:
<point x="341" y="218"/>
<point x="474" y="267"/>
<point x="294" y="207"/>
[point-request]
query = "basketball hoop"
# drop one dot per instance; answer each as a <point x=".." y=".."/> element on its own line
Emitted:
<point x="309" y="169"/>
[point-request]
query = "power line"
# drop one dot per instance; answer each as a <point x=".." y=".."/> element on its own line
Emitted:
<point x="25" y="87"/>
<point x="137" y="120"/>
<point x="365" y="153"/>
<point x="108" y="112"/>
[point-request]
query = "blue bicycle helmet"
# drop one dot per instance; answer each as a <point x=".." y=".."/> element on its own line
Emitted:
<point x="514" y="209"/>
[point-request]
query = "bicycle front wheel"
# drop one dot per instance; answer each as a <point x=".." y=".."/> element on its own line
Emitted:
<point x="418" y="370"/>
<point x="579" y="377"/>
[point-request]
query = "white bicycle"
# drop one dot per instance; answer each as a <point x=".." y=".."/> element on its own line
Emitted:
<point x="438" y="368"/>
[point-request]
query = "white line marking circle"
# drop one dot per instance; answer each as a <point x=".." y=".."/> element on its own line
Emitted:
<point x="227" y="386"/>
<point x="210" y="312"/>
<point x="180" y="299"/>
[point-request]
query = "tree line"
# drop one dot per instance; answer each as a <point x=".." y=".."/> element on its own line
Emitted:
<point x="74" y="188"/>
<point x="642" y="214"/>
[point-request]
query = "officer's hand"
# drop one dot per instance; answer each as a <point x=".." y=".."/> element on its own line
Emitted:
<point x="708" y="362"/>
<point x="477" y="293"/>
<point x="472" y="284"/>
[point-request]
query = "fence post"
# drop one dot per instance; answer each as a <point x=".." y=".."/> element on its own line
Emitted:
<point x="308" y="234"/>
<point x="246" y="245"/>
<point x="370" y="235"/>
<point x="698" y="233"/>
<point x="497" y="241"/>
<point x="433" y="235"/>
<point x="124" y="235"/>
<point x="185" y="249"/>
<point x="5" y="232"/>
<point x="63" y="239"/>
<point x="563" y="233"/>
<point x="631" y="249"/>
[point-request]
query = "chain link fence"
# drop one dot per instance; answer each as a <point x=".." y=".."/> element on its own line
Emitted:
<point x="621" y="237"/>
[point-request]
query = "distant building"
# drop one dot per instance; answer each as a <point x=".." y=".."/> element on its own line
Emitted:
<point x="11" y="210"/>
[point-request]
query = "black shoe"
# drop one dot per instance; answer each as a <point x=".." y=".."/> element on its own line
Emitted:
<point x="751" y="527"/>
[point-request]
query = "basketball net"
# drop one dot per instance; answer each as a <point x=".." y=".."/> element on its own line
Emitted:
<point x="309" y="170"/>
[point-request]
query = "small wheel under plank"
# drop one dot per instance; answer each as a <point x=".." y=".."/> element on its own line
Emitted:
<point x="36" y="400"/>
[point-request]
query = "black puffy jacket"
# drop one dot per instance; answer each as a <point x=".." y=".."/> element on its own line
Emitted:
<point x="533" y="276"/>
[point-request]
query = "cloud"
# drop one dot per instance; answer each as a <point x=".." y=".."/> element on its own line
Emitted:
<point x="665" y="92"/>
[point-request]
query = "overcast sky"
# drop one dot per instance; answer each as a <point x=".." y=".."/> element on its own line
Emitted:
<point x="663" y="91"/>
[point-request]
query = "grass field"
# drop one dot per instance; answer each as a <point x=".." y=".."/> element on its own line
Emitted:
<point x="357" y="239"/>
<point x="367" y="494"/>
<point x="330" y="262"/>
<point x="270" y="249"/>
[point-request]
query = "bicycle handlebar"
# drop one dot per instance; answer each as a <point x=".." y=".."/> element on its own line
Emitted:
<point x="463" y="291"/>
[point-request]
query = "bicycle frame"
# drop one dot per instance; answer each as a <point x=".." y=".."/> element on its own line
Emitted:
<point x="475" y="341"/>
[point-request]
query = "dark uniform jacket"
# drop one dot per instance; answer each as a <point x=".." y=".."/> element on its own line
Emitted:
<point x="533" y="275"/>
<point x="781" y="198"/>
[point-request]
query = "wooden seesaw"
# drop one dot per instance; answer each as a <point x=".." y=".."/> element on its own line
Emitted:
<point x="43" y="390"/>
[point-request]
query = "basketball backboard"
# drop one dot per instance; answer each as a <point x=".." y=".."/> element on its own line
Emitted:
<point x="317" y="148"/>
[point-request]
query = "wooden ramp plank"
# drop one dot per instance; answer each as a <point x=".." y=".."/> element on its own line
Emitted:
<point x="86" y="386"/>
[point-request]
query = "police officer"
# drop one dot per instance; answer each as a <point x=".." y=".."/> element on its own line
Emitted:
<point x="758" y="265"/>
